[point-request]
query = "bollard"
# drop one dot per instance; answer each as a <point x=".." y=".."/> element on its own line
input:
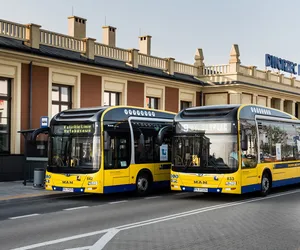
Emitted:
<point x="38" y="178"/>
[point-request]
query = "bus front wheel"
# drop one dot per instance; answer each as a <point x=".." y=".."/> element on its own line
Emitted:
<point x="143" y="184"/>
<point x="266" y="184"/>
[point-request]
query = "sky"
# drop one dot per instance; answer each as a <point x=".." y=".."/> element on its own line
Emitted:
<point x="177" y="27"/>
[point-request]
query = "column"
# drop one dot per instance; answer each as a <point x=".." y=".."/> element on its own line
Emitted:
<point x="269" y="102"/>
<point x="281" y="105"/>
<point x="294" y="108"/>
<point x="254" y="101"/>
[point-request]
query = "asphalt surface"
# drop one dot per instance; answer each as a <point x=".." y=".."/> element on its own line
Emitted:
<point x="162" y="221"/>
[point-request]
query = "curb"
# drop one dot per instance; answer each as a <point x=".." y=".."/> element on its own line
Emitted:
<point x="38" y="196"/>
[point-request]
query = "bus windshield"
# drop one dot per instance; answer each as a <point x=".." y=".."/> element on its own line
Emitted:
<point x="198" y="152"/>
<point x="74" y="152"/>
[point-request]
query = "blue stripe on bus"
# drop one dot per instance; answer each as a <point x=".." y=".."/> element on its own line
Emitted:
<point x="286" y="182"/>
<point x="119" y="188"/>
<point x="257" y="187"/>
<point x="251" y="188"/>
<point x="132" y="187"/>
<point x="210" y="190"/>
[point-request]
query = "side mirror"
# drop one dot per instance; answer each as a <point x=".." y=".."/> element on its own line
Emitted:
<point x="244" y="141"/>
<point x="106" y="141"/>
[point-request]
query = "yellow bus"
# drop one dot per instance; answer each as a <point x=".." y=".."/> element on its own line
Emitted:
<point x="109" y="149"/>
<point x="235" y="149"/>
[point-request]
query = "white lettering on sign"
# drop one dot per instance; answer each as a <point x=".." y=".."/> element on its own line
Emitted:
<point x="207" y="127"/>
<point x="261" y="111"/>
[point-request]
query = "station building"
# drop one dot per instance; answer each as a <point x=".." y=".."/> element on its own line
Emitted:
<point x="43" y="72"/>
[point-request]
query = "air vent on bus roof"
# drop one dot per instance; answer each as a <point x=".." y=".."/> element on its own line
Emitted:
<point x="79" y="114"/>
<point x="208" y="111"/>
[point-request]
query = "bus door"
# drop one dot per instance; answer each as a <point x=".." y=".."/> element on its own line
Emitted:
<point x="162" y="156"/>
<point x="116" y="157"/>
<point x="147" y="153"/>
<point x="249" y="156"/>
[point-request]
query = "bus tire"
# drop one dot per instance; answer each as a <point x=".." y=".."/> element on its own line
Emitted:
<point x="143" y="184"/>
<point x="266" y="184"/>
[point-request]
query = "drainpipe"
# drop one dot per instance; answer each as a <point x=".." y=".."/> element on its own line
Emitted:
<point x="30" y="95"/>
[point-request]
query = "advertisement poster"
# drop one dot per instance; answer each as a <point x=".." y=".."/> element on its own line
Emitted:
<point x="164" y="152"/>
<point x="278" y="151"/>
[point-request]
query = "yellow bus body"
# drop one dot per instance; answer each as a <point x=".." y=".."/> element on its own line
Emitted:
<point x="244" y="180"/>
<point x="109" y="180"/>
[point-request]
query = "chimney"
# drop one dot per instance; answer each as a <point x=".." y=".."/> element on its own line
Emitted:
<point x="145" y="45"/>
<point x="77" y="27"/>
<point x="109" y="35"/>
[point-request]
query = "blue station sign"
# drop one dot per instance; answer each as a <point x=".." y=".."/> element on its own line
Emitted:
<point x="281" y="64"/>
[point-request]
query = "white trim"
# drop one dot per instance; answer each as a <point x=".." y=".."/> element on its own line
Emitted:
<point x="161" y="96"/>
<point x="12" y="70"/>
<point x="117" y="85"/>
<point x="64" y="77"/>
<point x="182" y="98"/>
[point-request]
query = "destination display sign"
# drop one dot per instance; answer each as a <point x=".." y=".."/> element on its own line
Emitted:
<point x="73" y="129"/>
<point x="208" y="128"/>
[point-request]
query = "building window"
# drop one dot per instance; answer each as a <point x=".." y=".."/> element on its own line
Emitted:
<point x="5" y="116"/>
<point x="61" y="98"/>
<point x="152" y="102"/>
<point x="111" y="98"/>
<point x="185" y="104"/>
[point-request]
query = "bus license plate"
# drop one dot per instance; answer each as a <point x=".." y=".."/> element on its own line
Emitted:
<point x="201" y="190"/>
<point x="68" y="190"/>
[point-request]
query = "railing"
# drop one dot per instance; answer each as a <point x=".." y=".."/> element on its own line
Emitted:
<point x="275" y="77"/>
<point x="15" y="30"/>
<point x="185" y="68"/>
<point x="217" y="69"/>
<point x="152" y="61"/>
<point x="261" y="74"/>
<point x="245" y="70"/>
<point x="62" y="41"/>
<point x="111" y="52"/>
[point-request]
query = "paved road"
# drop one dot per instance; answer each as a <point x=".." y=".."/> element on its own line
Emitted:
<point x="165" y="221"/>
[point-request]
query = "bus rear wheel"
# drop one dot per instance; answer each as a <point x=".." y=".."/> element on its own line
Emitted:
<point x="265" y="184"/>
<point x="143" y="184"/>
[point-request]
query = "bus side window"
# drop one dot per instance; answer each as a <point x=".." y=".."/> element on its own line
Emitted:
<point x="249" y="156"/>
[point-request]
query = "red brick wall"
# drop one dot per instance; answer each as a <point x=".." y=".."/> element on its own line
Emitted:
<point x="90" y="91"/>
<point x="171" y="99"/>
<point x="135" y="94"/>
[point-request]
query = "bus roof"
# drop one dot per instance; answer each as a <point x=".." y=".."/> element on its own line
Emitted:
<point x="108" y="113"/>
<point x="230" y="112"/>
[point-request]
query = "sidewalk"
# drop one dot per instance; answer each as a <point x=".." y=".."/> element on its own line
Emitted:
<point x="16" y="190"/>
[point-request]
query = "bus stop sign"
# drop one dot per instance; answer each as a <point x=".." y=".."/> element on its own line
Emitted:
<point x="44" y="122"/>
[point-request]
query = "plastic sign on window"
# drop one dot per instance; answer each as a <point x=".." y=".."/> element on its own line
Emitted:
<point x="1" y="104"/>
<point x="164" y="152"/>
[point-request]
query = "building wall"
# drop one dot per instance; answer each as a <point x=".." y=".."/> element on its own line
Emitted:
<point x="171" y="99"/>
<point x="39" y="94"/>
<point x="90" y="90"/>
<point x="135" y="94"/>
<point x="24" y="101"/>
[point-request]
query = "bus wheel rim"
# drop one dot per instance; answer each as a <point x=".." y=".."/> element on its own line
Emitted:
<point x="265" y="184"/>
<point x="142" y="184"/>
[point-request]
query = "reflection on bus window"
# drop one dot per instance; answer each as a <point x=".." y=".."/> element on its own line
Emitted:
<point x="249" y="156"/>
<point x="117" y="149"/>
